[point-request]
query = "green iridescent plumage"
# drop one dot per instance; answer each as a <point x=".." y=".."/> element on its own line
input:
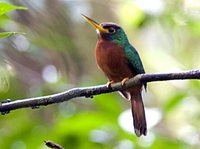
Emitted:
<point x="134" y="59"/>
<point x="119" y="37"/>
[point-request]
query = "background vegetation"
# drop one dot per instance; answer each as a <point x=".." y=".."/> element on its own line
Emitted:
<point x="57" y="53"/>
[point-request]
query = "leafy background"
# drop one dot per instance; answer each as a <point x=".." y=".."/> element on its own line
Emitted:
<point x="57" y="53"/>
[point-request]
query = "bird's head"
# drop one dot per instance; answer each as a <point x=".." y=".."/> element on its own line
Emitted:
<point x="109" y="31"/>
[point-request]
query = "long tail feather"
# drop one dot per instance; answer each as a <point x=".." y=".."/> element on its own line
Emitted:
<point x="139" y="119"/>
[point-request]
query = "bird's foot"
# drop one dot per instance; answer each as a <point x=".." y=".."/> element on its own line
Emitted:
<point x="108" y="84"/>
<point x="124" y="80"/>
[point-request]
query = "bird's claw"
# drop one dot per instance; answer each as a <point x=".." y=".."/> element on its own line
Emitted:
<point x="108" y="84"/>
<point x="124" y="80"/>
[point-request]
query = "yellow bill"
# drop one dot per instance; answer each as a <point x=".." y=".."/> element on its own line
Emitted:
<point x="95" y="24"/>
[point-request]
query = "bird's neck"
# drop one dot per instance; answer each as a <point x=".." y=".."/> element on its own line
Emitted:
<point x="123" y="42"/>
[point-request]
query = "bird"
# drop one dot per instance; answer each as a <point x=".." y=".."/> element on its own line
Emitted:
<point x="120" y="61"/>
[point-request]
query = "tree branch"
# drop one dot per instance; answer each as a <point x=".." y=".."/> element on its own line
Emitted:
<point x="53" y="145"/>
<point x="8" y="105"/>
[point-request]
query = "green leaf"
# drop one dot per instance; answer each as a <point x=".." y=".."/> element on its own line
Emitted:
<point x="174" y="101"/>
<point x="7" y="34"/>
<point x="5" y="7"/>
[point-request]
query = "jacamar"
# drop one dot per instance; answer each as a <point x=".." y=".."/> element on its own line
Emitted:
<point x="119" y="61"/>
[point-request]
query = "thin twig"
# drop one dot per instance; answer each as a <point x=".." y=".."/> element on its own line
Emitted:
<point x="53" y="145"/>
<point x="6" y="107"/>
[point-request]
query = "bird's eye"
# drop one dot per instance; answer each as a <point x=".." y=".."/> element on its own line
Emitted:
<point x="111" y="30"/>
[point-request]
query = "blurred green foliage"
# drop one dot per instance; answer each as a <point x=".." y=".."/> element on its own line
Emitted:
<point x="4" y="8"/>
<point x="57" y="54"/>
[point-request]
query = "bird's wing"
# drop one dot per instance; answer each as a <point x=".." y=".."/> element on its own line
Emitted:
<point x="134" y="60"/>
